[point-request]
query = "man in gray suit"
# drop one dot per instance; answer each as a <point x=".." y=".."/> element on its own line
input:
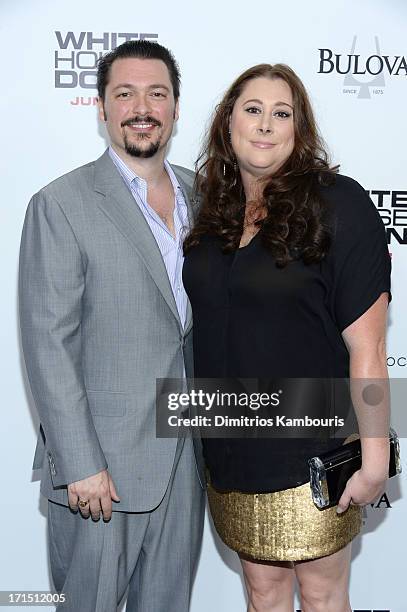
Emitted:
<point x="103" y="314"/>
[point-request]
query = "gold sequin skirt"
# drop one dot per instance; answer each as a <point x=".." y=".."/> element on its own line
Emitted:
<point x="281" y="526"/>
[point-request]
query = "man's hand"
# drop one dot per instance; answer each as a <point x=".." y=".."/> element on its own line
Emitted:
<point x="98" y="490"/>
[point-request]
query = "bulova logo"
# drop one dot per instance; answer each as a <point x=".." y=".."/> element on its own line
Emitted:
<point x="364" y="74"/>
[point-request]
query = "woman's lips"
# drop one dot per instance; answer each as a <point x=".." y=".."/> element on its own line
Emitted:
<point x="262" y="145"/>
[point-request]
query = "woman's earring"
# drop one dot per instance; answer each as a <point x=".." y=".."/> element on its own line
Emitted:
<point x="233" y="183"/>
<point x="224" y="169"/>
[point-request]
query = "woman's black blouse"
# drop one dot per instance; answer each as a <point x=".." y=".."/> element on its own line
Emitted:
<point x="255" y="320"/>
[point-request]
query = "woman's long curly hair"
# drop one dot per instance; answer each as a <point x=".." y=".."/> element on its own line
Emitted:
<point x="294" y="226"/>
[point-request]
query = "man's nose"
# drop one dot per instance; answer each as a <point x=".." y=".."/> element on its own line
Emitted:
<point x="141" y="104"/>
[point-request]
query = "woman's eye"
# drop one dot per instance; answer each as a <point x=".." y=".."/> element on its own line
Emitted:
<point x="282" y="114"/>
<point x="253" y="110"/>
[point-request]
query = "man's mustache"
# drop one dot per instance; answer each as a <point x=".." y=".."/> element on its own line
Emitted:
<point x="138" y="119"/>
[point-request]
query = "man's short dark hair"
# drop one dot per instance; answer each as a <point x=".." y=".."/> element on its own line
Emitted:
<point x="142" y="49"/>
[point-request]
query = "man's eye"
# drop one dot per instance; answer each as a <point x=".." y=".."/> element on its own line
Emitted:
<point x="124" y="94"/>
<point x="158" y="94"/>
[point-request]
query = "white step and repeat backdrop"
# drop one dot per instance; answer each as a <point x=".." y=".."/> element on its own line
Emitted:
<point x="351" y="56"/>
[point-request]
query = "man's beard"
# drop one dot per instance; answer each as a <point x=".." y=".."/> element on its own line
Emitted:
<point x="134" y="149"/>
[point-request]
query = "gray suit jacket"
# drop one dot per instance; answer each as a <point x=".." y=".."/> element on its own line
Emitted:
<point x="99" y="324"/>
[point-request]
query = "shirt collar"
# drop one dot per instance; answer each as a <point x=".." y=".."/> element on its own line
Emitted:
<point x="130" y="177"/>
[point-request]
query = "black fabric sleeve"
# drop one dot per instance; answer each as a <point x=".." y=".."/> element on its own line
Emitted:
<point x="362" y="263"/>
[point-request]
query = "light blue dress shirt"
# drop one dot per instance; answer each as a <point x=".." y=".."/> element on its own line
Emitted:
<point x="170" y="247"/>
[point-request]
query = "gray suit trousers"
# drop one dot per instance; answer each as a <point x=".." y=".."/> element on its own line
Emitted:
<point x="153" y="553"/>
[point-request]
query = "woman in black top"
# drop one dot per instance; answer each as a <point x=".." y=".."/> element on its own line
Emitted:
<point x="288" y="274"/>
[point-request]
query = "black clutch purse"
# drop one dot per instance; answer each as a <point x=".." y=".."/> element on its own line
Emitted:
<point x="330" y="471"/>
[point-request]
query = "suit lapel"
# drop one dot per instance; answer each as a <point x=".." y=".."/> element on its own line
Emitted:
<point x="119" y="206"/>
<point x="192" y="212"/>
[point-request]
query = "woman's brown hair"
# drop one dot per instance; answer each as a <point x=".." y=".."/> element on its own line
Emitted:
<point x="294" y="225"/>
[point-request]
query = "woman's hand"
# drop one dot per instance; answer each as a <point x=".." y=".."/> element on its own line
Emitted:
<point x="362" y="488"/>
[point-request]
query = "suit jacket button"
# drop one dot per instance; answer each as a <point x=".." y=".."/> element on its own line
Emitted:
<point x="51" y="465"/>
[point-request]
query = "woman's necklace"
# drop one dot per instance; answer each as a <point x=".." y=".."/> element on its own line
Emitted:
<point x="253" y="215"/>
<point x="250" y="227"/>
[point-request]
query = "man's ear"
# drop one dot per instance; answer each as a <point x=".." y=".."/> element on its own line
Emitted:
<point x="101" y="110"/>
<point x="176" y="111"/>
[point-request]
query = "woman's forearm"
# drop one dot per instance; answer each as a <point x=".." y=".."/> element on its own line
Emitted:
<point x="370" y="395"/>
